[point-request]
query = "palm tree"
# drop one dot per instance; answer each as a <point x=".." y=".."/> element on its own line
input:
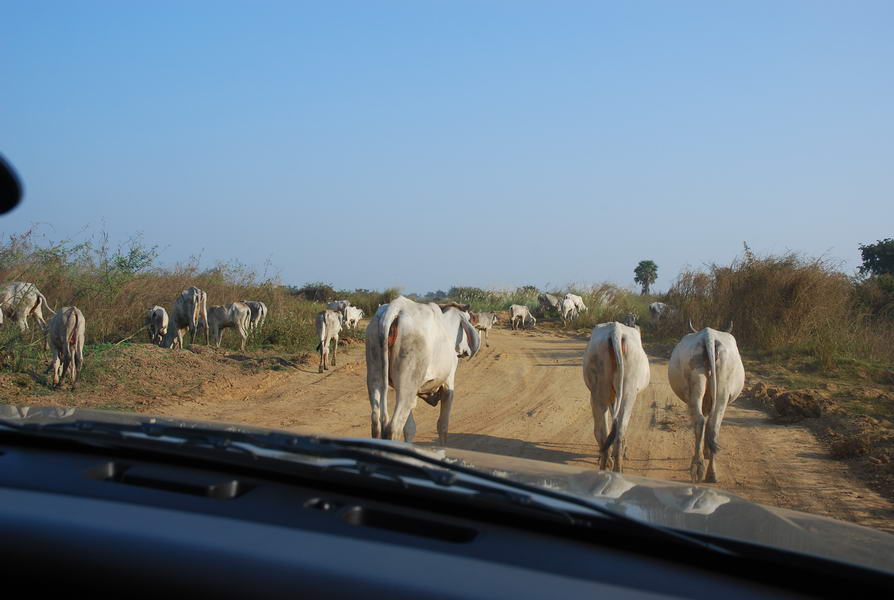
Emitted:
<point x="646" y="272"/>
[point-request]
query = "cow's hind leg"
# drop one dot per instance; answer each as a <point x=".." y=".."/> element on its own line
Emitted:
<point x="712" y="435"/>
<point x="334" y="349"/>
<point x="73" y="367"/>
<point x="324" y="350"/>
<point x="376" y="387"/>
<point x="410" y="428"/>
<point x="55" y="366"/>
<point x="600" y="429"/>
<point x="446" y="396"/>
<point x="66" y="365"/>
<point x="404" y="405"/>
<point x="696" y="395"/>
<point x="408" y="372"/>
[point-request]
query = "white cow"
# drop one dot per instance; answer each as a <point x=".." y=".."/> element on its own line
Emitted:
<point x="548" y="302"/>
<point x="338" y="305"/>
<point x="483" y="321"/>
<point x="236" y="315"/>
<point x="190" y="310"/>
<point x="20" y="300"/>
<point x="706" y="372"/>
<point x="414" y="348"/>
<point x="328" y="324"/>
<point x="157" y="324"/>
<point x="578" y="302"/>
<point x="65" y="338"/>
<point x="520" y="315"/>
<point x="657" y="310"/>
<point x="258" y="313"/>
<point x="616" y="370"/>
<point x="568" y="310"/>
<point x="353" y="316"/>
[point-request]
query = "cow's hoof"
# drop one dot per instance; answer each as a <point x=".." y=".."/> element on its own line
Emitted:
<point x="697" y="470"/>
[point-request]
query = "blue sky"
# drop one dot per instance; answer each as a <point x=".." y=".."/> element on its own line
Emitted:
<point x="426" y="144"/>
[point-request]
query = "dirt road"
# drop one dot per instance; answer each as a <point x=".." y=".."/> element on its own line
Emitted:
<point x="524" y="396"/>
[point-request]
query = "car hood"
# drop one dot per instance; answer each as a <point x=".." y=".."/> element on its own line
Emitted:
<point x="691" y="508"/>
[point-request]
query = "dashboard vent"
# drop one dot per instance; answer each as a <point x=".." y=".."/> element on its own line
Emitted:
<point x="380" y="519"/>
<point x="170" y="479"/>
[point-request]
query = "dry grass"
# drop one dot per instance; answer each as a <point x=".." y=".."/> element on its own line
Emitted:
<point x="781" y="303"/>
<point x="115" y="287"/>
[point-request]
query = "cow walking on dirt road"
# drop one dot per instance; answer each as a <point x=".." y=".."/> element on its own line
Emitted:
<point x="616" y="370"/>
<point x="706" y="372"/>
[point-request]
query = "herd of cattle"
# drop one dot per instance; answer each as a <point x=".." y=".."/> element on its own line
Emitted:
<point x="415" y="348"/>
<point x="65" y="331"/>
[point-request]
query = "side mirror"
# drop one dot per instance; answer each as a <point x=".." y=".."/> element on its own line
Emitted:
<point x="10" y="187"/>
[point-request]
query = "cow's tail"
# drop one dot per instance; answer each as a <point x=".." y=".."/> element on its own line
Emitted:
<point x="711" y="344"/>
<point x="389" y="339"/>
<point x="616" y="343"/>
<point x="46" y="305"/>
<point x="71" y="338"/>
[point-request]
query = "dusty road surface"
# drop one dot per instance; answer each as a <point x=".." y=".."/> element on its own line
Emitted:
<point x="524" y="396"/>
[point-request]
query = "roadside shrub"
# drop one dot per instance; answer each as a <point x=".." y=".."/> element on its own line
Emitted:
<point x="779" y="302"/>
<point x="875" y="297"/>
<point x="317" y="291"/>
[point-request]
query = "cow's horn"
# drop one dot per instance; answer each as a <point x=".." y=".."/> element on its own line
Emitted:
<point x="691" y="328"/>
<point x="729" y="328"/>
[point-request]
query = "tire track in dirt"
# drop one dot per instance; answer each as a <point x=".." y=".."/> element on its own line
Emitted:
<point x="524" y="396"/>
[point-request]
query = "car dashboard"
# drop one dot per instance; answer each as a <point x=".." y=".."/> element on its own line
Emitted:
<point x="101" y="522"/>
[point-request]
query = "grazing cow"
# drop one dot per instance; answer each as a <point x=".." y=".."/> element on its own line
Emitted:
<point x="157" y="324"/>
<point x="483" y="321"/>
<point x="328" y="324"/>
<point x="236" y="315"/>
<point x="20" y="300"/>
<point x="190" y="309"/>
<point x="630" y="320"/>
<point x="706" y="372"/>
<point x="616" y="370"/>
<point x="548" y="302"/>
<point x="65" y="338"/>
<point x="338" y="306"/>
<point x="353" y="316"/>
<point x="258" y="313"/>
<point x="578" y="302"/>
<point x="658" y="310"/>
<point x="520" y="316"/>
<point x="568" y="311"/>
<point x="415" y="349"/>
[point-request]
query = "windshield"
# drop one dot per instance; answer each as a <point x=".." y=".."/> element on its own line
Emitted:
<point x="646" y="239"/>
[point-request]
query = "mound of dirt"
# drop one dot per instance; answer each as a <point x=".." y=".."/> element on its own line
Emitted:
<point x="788" y="406"/>
<point x="797" y="405"/>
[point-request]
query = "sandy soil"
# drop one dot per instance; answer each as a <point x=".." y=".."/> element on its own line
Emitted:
<point x="524" y="396"/>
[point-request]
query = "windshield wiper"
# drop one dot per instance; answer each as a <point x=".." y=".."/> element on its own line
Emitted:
<point x="368" y="459"/>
